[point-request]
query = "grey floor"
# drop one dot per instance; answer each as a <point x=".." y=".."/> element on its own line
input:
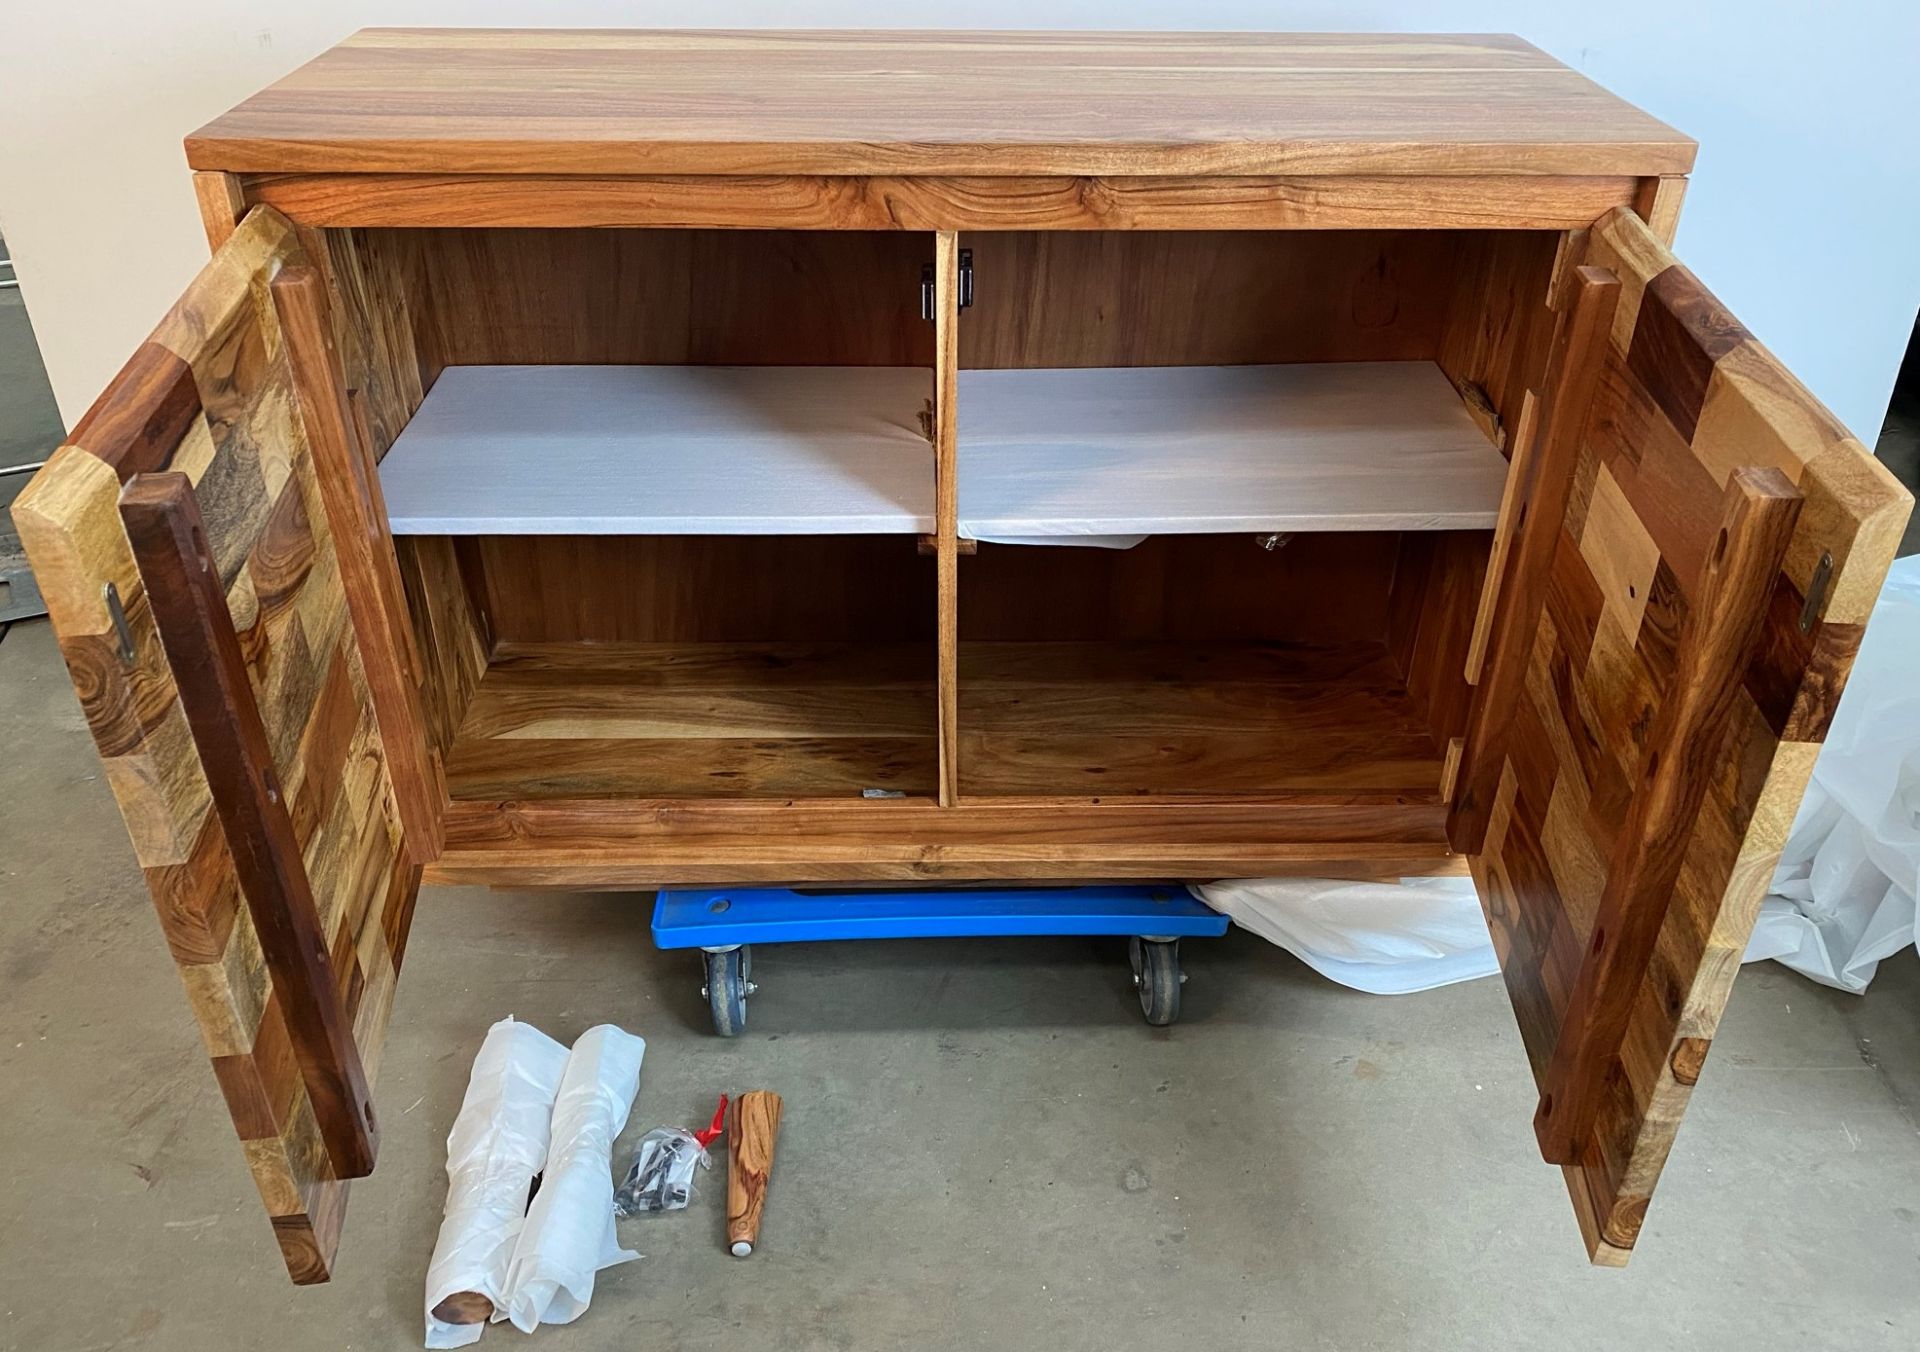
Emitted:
<point x="983" y="1145"/>
<point x="29" y="420"/>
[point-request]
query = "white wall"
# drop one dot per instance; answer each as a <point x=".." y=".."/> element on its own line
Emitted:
<point x="1802" y="214"/>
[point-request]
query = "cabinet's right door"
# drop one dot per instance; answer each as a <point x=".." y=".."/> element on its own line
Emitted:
<point x="1670" y="681"/>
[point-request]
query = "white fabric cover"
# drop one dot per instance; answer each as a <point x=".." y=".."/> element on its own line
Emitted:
<point x="569" y="1234"/>
<point x="1383" y="938"/>
<point x="1843" y="896"/>
<point x="498" y="1143"/>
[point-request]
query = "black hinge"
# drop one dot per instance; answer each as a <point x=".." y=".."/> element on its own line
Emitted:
<point x="966" y="285"/>
<point x="1816" y="592"/>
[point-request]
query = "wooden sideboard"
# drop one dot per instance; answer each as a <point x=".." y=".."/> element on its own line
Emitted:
<point x="613" y="459"/>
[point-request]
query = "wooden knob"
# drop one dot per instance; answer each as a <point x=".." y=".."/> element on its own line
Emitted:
<point x="756" y="1122"/>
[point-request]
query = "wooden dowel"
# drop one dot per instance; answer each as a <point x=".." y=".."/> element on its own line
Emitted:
<point x="756" y="1124"/>
<point x="1579" y="348"/>
<point x="196" y="629"/>
<point x="1683" y="754"/>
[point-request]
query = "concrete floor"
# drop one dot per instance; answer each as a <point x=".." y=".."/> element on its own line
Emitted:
<point x="983" y="1145"/>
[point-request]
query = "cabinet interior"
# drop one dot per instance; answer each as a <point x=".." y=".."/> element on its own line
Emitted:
<point x="613" y="615"/>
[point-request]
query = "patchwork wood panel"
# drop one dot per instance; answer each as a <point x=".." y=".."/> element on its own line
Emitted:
<point x="245" y="451"/>
<point x="1686" y="397"/>
<point x="385" y="314"/>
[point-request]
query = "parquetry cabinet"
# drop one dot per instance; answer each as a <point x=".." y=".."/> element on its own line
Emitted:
<point x="603" y="460"/>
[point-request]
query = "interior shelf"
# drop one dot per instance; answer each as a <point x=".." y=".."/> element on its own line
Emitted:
<point x="699" y="720"/>
<point x="1161" y="719"/>
<point x="665" y="450"/>
<point x="1199" y="449"/>
<point x="840" y="450"/>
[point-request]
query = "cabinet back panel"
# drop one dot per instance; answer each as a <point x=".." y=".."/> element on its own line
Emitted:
<point x="706" y="588"/>
<point x="1206" y="298"/>
<point x="1473" y="300"/>
<point x="1318" y="588"/>
<point x="703" y="297"/>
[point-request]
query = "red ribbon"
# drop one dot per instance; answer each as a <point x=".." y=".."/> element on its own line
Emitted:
<point x="707" y="1137"/>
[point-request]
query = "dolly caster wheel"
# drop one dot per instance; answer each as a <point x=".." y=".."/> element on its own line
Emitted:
<point x="727" y="987"/>
<point x="1157" y="978"/>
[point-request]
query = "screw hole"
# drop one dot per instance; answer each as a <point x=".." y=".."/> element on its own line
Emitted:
<point x="717" y="905"/>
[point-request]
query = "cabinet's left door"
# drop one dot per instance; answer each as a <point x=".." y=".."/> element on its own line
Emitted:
<point x="228" y="694"/>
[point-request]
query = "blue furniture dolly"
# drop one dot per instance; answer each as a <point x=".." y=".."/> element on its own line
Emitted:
<point x="724" y="923"/>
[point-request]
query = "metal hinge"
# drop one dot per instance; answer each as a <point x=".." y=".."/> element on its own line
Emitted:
<point x="117" y="613"/>
<point x="927" y="289"/>
<point x="1816" y="592"/>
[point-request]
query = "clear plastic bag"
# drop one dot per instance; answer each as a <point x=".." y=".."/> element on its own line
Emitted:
<point x="664" y="1163"/>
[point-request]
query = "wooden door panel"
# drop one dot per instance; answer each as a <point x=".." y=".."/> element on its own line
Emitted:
<point x="1642" y="647"/>
<point x="211" y="397"/>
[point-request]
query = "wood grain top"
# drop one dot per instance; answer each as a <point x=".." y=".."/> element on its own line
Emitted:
<point x="579" y="101"/>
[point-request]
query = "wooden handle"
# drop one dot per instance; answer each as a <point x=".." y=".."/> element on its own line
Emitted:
<point x="189" y="606"/>
<point x="756" y="1122"/>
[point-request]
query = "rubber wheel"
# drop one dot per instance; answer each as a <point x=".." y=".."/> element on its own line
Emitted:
<point x="1156" y="976"/>
<point x="727" y="990"/>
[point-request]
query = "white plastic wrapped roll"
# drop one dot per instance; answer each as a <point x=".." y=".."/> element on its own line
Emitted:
<point x="498" y="1143"/>
<point x="1843" y="897"/>
<point x="569" y="1234"/>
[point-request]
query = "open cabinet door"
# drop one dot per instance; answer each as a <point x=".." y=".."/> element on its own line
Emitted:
<point x="1700" y="548"/>
<point x="200" y="590"/>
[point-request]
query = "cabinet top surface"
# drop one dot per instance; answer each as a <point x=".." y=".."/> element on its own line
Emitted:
<point x="577" y="101"/>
